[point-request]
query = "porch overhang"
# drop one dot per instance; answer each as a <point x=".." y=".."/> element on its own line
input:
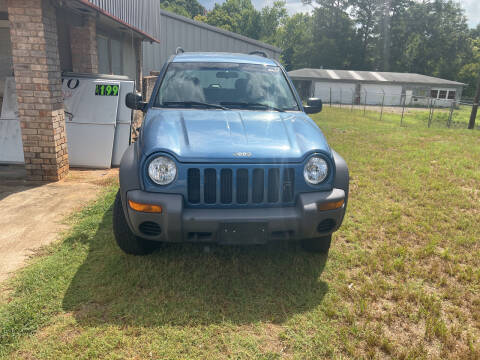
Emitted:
<point x="85" y="7"/>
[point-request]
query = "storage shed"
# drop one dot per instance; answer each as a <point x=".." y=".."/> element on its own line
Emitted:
<point x="375" y="88"/>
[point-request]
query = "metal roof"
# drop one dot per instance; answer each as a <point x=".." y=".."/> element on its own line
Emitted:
<point x="368" y="76"/>
<point x="196" y="36"/>
<point x="222" y="57"/>
<point x="220" y="31"/>
<point x="143" y="16"/>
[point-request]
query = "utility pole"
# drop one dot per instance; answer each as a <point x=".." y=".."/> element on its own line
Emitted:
<point x="471" y="124"/>
<point x="387" y="5"/>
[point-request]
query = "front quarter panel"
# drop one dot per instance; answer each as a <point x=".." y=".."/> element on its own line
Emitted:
<point x="341" y="179"/>
<point x="129" y="174"/>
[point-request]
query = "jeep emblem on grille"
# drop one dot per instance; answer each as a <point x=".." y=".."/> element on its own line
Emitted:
<point x="242" y="154"/>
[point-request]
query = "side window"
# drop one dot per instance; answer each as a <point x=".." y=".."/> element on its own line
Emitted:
<point x="442" y="94"/>
<point x="434" y="94"/>
<point x="452" y="95"/>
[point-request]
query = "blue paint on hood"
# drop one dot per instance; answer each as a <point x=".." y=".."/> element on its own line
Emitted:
<point x="193" y="135"/>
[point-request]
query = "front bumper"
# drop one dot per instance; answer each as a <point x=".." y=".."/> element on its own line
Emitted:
<point x="234" y="226"/>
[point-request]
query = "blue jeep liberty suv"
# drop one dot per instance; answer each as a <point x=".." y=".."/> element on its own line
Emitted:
<point x="227" y="154"/>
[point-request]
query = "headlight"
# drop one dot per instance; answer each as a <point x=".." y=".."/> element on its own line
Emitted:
<point x="316" y="170"/>
<point x="162" y="170"/>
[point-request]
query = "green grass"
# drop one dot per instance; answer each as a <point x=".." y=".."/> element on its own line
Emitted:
<point x="402" y="279"/>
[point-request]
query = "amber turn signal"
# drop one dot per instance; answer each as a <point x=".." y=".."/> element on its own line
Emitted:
<point x="145" y="207"/>
<point x="330" y="205"/>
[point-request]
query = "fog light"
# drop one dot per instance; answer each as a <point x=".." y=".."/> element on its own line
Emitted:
<point x="326" y="226"/>
<point x="145" y="207"/>
<point x="150" y="228"/>
<point x="330" y="205"/>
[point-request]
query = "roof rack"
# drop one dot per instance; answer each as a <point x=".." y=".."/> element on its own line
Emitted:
<point x="257" y="52"/>
<point x="179" y="50"/>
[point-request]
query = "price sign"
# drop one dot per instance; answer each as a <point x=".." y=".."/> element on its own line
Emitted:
<point x="106" y="90"/>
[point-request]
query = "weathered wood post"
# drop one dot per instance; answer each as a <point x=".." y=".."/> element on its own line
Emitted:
<point x="473" y="115"/>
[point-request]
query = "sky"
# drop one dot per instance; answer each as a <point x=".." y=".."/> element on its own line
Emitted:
<point x="472" y="8"/>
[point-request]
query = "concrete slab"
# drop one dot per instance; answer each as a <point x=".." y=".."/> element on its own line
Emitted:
<point x="31" y="214"/>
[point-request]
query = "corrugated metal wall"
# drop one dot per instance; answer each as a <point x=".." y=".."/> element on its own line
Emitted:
<point x="194" y="36"/>
<point x="174" y="30"/>
<point x="142" y="14"/>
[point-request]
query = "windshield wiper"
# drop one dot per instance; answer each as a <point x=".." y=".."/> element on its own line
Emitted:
<point x="249" y="105"/>
<point x="194" y="103"/>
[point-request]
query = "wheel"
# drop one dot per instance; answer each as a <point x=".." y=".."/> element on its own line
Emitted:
<point x="126" y="240"/>
<point x="317" y="245"/>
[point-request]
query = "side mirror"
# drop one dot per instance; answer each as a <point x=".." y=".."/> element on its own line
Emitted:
<point x="134" y="101"/>
<point x="314" y="106"/>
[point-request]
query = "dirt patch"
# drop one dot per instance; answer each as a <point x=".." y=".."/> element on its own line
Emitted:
<point x="31" y="214"/>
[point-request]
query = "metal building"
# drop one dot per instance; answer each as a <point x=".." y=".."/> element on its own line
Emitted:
<point x="375" y="88"/>
<point x="142" y="15"/>
<point x="176" y="30"/>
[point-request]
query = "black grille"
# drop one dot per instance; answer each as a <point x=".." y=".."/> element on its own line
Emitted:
<point x="193" y="186"/>
<point x="226" y="186"/>
<point x="241" y="186"/>
<point x="210" y="186"/>
<point x="288" y="185"/>
<point x="150" y="228"/>
<point x="257" y="185"/>
<point x="273" y="185"/>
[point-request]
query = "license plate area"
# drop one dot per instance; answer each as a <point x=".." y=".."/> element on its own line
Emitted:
<point x="243" y="233"/>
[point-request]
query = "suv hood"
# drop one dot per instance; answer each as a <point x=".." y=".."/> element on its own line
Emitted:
<point x="221" y="136"/>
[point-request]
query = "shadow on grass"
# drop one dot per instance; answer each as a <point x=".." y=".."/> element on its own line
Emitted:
<point x="184" y="285"/>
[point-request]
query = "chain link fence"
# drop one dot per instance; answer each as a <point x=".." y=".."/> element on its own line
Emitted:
<point x="407" y="109"/>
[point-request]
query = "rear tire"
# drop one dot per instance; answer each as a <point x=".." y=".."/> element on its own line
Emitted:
<point x="318" y="245"/>
<point x="126" y="240"/>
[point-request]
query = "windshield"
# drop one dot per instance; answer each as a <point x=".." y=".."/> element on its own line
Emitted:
<point x="225" y="86"/>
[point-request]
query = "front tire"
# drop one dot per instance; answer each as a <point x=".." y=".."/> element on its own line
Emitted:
<point x="319" y="245"/>
<point x="126" y="240"/>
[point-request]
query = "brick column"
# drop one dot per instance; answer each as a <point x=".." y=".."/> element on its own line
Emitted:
<point x="83" y="42"/>
<point x="39" y="88"/>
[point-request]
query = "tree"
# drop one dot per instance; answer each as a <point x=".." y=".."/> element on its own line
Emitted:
<point x="333" y="34"/>
<point x="187" y="8"/>
<point x="403" y="34"/>
<point x="430" y="38"/>
<point x="296" y="38"/>
<point x="365" y="15"/>
<point x="271" y="20"/>
<point x="470" y="72"/>
<point x="239" y="16"/>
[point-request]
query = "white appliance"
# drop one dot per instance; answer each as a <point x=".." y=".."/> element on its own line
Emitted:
<point x="97" y="121"/>
<point x="11" y="147"/>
